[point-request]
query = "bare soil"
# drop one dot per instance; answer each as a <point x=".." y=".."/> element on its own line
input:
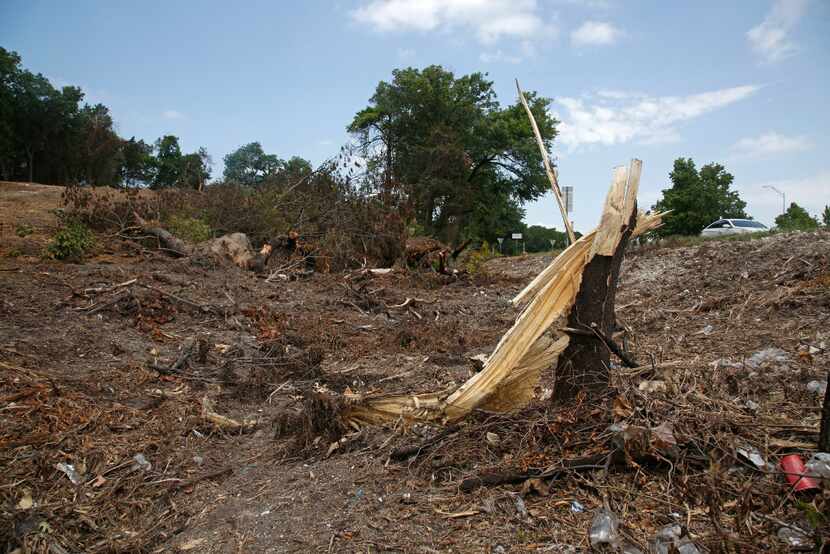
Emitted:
<point x="80" y="384"/>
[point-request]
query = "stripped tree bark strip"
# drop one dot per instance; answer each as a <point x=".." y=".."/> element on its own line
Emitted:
<point x="554" y="182"/>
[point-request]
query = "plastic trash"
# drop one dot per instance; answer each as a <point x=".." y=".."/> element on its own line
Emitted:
<point x="577" y="507"/>
<point x="767" y="355"/>
<point x="141" y="463"/>
<point x="708" y="330"/>
<point x="818" y="466"/>
<point x="794" y="471"/>
<point x="628" y="548"/>
<point x="817" y="387"/>
<point x="753" y="455"/>
<point x="605" y="528"/>
<point x="70" y="472"/>
<point x="793" y="536"/>
<point x="672" y="536"/>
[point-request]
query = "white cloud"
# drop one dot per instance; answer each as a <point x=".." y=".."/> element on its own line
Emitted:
<point x="499" y="57"/>
<point x="770" y="144"/>
<point x="622" y="117"/>
<point x="595" y="33"/>
<point x="172" y="114"/>
<point x="810" y="192"/>
<point x="490" y="20"/>
<point x="589" y="4"/>
<point x="770" y="39"/>
<point x="406" y="53"/>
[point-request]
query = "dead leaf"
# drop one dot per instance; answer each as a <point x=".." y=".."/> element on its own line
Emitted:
<point x="535" y="485"/>
<point x="26" y="502"/>
<point x="622" y="408"/>
<point x="191" y="544"/>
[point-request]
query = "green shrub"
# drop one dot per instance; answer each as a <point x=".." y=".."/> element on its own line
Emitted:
<point x="189" y="228"/>
<point x="71" y="242"/>
<point x="477" y="258"/>
<point x="24" y="230"/>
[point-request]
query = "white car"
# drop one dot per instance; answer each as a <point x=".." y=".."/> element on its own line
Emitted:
<point x="733" y="227"/>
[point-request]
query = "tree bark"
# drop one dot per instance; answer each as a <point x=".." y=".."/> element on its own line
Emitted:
<point x="31" y="165"/>
<point x="584" y="365"/>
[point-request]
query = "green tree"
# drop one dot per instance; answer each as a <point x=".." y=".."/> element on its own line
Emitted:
<point x="825" y="216"/>
<point x="538" y="238"/>
<point x="250" y="165"/>
<point x="445" y="150"/>
<point x="697" y="198"/>
<point x="796" y="218"/>
<point x="99" y="153"/>
<point x="9" y="151"/>
<point x="195" y="170"/>
<point x="168" y="162"/>
<point x="138" y="165"/>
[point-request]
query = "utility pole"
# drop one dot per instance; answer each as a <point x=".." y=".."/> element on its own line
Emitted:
<point x="782" y="195"/>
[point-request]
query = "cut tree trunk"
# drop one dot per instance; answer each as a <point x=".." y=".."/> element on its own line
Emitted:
<point x="166" y="239"/>
<point x="584" y="365"/>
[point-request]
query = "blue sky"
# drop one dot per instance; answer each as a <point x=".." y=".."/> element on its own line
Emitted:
<point x="744" y="83"/>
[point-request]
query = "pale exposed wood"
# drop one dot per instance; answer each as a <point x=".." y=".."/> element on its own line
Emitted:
<point x="512" y="371"/>
<point x="554" y="182"/>
<point x="619" y="205"/>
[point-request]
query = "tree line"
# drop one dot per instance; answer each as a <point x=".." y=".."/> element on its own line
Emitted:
<point x="50" y="135"/>
<point x="437" y="149"/>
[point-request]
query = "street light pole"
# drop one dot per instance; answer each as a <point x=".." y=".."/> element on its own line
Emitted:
<point x="783" y="198"/>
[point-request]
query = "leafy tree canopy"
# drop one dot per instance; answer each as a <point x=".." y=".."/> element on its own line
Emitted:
<point x="697" y="198"/>
<point x="825" y="216"/>
<point x="538" y="238"/>
<point x="796" y="218"/>
<point x="250" y="165"/>
<point x="50" y="135"/>
<point x="457" y="162"/>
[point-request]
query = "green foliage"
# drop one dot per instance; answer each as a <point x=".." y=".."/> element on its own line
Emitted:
<point x="23" y="230"/>
<point x="796" y="218"/>
<point x="249" y="165"/>
<point x="48" y="135"/>
<point x="476" y="259"/>
<point x="168" y="162"/>
<point x="138" y="167"/>
<point x="825" y="216"/>
<point x="71" y="242"/>
<point x="189" y="228"/>
<point x="458" y="163"/>
<point x="537" y="239"/>
<point x="698" y="198"/>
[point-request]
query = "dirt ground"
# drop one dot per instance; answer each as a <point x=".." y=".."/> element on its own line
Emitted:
<point x="86" y="380"/>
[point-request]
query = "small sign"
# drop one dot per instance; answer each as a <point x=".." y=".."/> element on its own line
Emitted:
<point x="568" y="193"/>
<point x="501" y="240"/>
<point x="516" y="236"/>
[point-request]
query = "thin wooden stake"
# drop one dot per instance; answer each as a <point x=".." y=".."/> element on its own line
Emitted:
<point x="554" y="183"/>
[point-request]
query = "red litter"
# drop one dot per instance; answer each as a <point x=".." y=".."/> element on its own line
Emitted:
<point x="794" y="470"/>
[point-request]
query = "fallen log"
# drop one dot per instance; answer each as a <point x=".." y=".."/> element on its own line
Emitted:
<point x="166" y="239"/>
<point x="234" y="247"/>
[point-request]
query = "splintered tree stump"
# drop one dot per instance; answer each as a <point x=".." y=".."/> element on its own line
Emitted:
<point x="584" y="365"/>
